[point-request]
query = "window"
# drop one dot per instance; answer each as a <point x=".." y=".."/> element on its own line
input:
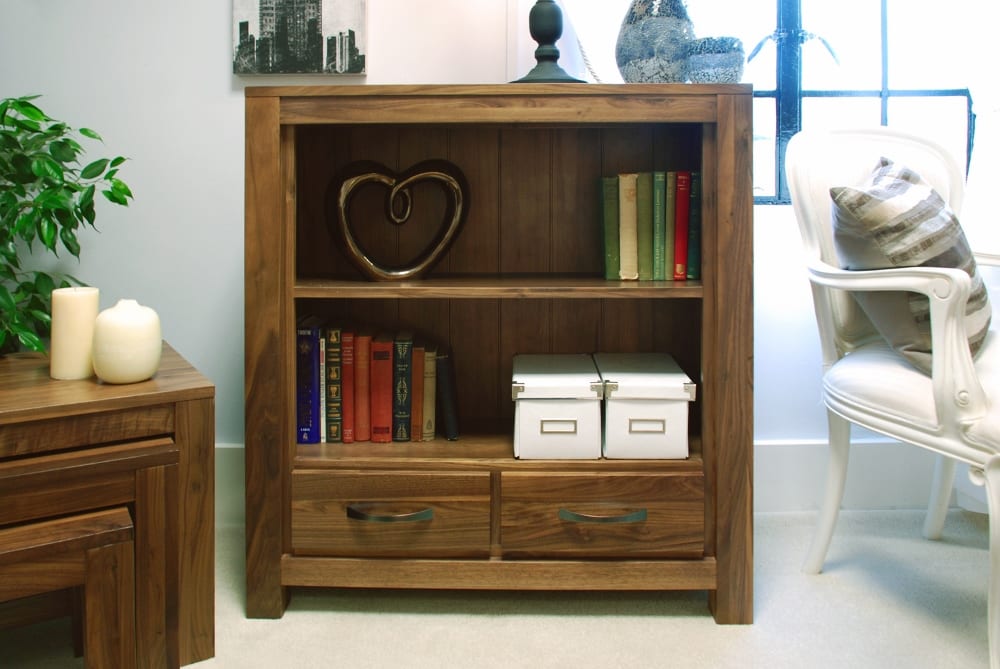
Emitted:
<point x="820" y="64"/>
<point x="865" y="63"/>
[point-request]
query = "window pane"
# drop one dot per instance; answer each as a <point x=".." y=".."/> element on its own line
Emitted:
<point x="852" y="28"/>
<point x="764" y="147"/>
<point x="929" y="43"/>
<point x="831" y="113"/>
<point x="943" y="120"/>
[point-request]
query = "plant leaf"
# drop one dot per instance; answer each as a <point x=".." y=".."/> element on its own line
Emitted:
<point x="47" y="232"/>
<point x="44" y="166"/>
<point x="29" y="339"/>
<point x="69" y="240"/>
<point x="94" y="169"/>
<point x="44" y="284"/>
<point x="7" y="302"/>
<point x="87" y="132"/>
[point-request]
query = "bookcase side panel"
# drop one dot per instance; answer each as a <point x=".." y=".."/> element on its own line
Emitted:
<point x="267" y="429"/>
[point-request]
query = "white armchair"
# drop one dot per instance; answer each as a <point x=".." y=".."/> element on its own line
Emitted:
<point x="952" y="411"/>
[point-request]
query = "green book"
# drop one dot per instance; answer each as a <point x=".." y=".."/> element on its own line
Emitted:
<point x="402" y="382"/>
<point x="659" y="226"/>
<point x="670" y="208"/>
<point x="609" y="212"/>
<point x="332" y="376"/>
<point x="694" y="229"/>
<point x="644" y="224"/>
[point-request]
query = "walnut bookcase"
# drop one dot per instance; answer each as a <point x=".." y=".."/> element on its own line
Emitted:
<point x="525" y="275"/>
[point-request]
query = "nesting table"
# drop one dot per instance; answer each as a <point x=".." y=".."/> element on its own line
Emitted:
<point x="71" y="448"/>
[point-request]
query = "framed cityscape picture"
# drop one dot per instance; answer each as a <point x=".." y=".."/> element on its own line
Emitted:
<point x="299" y="36"/>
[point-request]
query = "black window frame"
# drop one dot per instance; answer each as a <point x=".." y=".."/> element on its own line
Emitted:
<point x="789" y="94"/>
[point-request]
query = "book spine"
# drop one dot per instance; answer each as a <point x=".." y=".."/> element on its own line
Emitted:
<point x="430" y="394"/>
<point x="322" y="388"/>
<point x="402" y="384"/>
<point x="627" y="227"/>
<point x="694" y="229"/>
<point x="347" y="385"/>
<point x="417" y="393"/>
<point x="307" y="385"/>
<point x="644" y="225"/>
<point x="681" y="210"/>
<point x="362" y="387"/>
<point x="669" y="216"/>
<point x="334" y="386"/>
<point x="609" y="213"/>
<point x="381" y="389"/>
<point x="659" y="226"/>
<point x="447" y="399"/>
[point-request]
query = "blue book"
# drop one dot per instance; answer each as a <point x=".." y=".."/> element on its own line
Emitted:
<point x="307" y="384"/>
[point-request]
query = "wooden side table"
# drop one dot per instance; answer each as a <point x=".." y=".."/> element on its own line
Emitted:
<point x="70" y="447"/>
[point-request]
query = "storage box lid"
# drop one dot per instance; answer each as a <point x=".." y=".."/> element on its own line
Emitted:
<point x="643" y="376"/>
<point x="555" y="376"/>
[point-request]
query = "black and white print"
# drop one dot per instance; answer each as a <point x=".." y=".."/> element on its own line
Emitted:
<point x="299" y="36"/>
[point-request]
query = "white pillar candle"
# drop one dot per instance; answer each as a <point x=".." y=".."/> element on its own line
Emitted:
<point x="74" y="311"/>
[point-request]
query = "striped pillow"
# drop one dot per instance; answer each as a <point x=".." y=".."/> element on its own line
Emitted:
<point x="896" y="219"/>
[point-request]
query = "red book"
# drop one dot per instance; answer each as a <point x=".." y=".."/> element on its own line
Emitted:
<point x="417" y="392"/>
<point x="362" y="387"/>
<point x="381" y="370"/>
<point x="347" y="385"/>
<point x="681" y="214"/>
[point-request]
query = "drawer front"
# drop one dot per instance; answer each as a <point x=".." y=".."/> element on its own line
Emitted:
<point x="80" y="480"/>
<point x="390" y="514"/>
<point x="87" y="430"/>
<point x="607" y="514"/>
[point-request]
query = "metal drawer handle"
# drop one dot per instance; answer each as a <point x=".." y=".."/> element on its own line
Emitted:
<point x="575" y="517"/>
<point x="363" y="512"/>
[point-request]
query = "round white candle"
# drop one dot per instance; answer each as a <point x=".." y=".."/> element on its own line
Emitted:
<point x="74" y="311"/>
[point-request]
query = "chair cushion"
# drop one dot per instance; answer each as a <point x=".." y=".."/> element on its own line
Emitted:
<point x="896" y="219"/>
<point x="873" y="385"/>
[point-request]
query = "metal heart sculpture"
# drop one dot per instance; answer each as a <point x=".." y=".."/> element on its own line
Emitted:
<point x="398" y="206"/>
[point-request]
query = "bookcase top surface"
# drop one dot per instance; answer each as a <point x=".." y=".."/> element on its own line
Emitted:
<point x="539" y="90"/>
<point x="497" y="103"/>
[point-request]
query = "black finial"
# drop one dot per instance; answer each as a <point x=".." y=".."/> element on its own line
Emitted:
<point x="546" y="26"/>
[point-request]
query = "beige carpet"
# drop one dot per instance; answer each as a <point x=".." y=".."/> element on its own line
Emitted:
<point x="888" y="598"/>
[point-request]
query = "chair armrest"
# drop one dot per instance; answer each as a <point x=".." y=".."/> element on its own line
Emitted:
<point x="958" y="394"/>
<point x="982" y="258"/>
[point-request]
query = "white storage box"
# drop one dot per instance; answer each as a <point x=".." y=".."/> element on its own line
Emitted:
<point x="557" y="406"/>
<point x="646" y="398"/>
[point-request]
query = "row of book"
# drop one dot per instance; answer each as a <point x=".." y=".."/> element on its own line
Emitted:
<point x="652" y="225"/>
<point x="354" y="386"/>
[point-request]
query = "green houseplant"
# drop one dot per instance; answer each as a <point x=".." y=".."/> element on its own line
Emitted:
<point x="46" y="196"/>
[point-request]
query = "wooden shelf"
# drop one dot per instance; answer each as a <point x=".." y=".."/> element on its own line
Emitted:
<point x="487" y="452"/>
<point x="541" y="287"/>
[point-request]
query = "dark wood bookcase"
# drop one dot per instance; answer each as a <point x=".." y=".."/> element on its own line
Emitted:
<point x="524" y="276"/>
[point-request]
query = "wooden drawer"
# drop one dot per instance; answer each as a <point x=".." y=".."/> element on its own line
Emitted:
<point x="607" y="514"/>
<point x="86" y="430"/>
<point x="78" y="480"/>
<point x="397" y="514"/>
